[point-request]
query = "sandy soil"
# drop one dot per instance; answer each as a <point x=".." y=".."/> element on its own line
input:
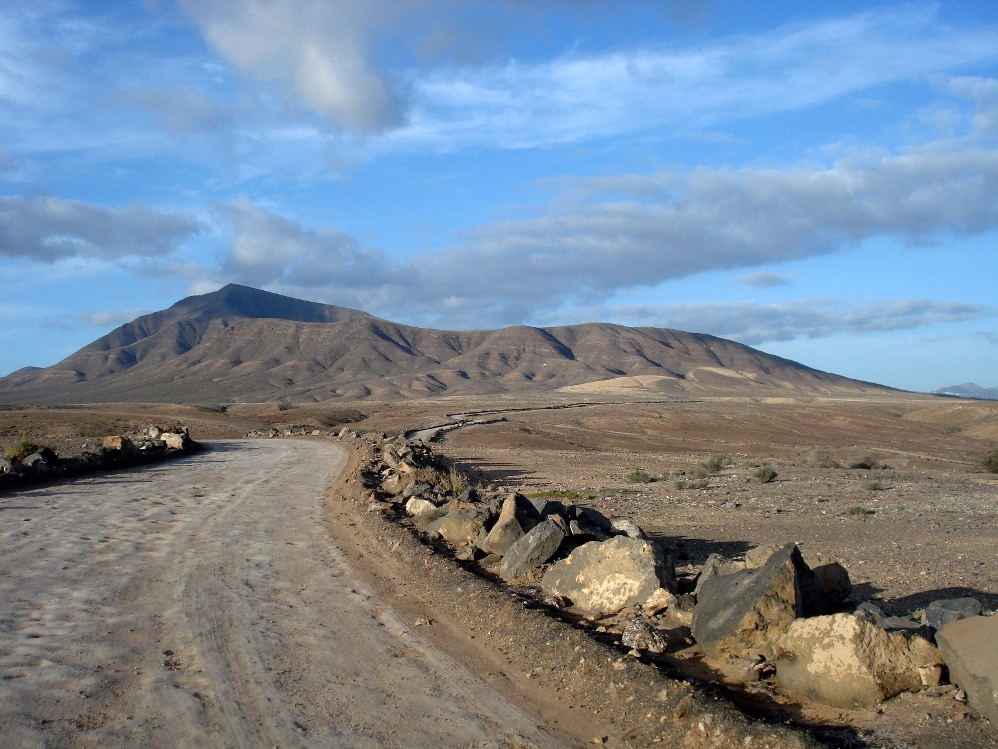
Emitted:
<point x="203" y="603"/>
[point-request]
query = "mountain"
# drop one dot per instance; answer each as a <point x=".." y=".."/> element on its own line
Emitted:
<point x="245" y="345"/>
<point x="970" y="390"/>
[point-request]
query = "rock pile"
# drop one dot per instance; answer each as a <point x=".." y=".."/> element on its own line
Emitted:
<point x="116" y="451"/>
<point x="769" y="614"/>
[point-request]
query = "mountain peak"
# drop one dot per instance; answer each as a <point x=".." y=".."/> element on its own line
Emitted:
<point x="246" y="301"/>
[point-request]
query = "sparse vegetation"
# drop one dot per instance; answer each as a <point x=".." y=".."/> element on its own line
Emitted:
<point x="560" y="494"/>
<point x="751" y="464"/>
<point x="822" y="459"/>
<point x="858" y="511"/>
<point x="990" y="463"/>
<point x="24" y="448"/>
<point x="637" y="476"/>
<point x="696" y="484"/>
<point x="764" y="474"/>
<point x="873" y="486"/>
<point x="709" y="467"/>
<point x="866" y="463"/>
<point x="446" y="481"/>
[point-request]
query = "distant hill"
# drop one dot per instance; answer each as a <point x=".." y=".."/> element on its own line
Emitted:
<point x="970" y="390"/>
<point x="245" y="345"/>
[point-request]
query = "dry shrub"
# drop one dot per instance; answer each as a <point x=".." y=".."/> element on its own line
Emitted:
<point x="24" y="448"/>
<point x="822" y="459"/>
<point x="990" y="463"/>
<point x="450" y="481"/>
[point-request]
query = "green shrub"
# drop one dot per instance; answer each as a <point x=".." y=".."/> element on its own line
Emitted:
<point x="24" y="448"/>
<point x="990" y="463"/>
<point x="859" y="511"/>
<point x="764" y="474"/>
<point x="637" y="476"/>
<point x="873" y="486"/>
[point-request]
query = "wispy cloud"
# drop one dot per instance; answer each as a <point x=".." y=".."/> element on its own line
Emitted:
<point x="753" y="323"/>
<point x="765" y="280"/>
<point x="112" y="318"/>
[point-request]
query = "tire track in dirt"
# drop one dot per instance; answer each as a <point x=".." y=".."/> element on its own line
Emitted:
<point x="204" y="604"/>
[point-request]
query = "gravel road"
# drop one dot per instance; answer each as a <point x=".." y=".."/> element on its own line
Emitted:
<point x="203" y="603"/>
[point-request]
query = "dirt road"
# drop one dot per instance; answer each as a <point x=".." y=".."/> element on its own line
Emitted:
<point x="202" y="603"/>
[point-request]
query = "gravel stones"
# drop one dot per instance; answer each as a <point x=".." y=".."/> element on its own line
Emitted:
<point x="969" y="651"/>
<point x="602" y="578"/>
<point x="847" y="662"/>
<point x="531" y="551"/>
<point x="743" y="612"/>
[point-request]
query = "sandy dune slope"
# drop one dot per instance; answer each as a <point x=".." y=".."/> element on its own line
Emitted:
<point x="204" y="604"/>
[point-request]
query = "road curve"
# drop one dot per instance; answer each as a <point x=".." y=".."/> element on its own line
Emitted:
<point x="202" y="603"/>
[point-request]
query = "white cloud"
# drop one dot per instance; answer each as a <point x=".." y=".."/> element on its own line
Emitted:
<point x="753" y="323"/>
<point x="49" y="229"/>
<point x="585" y="251"/>
<point x="320" y="50"/>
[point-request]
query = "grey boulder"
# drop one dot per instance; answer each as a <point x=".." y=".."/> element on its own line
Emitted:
<point x="742" y="613"/>
<point x="717" y="566"/>
<point x="940" y="613"/>
<point x="969" y="651"/>
<point x="517" y="516"/>
<point x="531" y="551"/>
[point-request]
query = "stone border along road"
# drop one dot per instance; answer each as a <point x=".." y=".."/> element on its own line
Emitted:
<point x="204" y="603"/>
<point x="568" y="678"/>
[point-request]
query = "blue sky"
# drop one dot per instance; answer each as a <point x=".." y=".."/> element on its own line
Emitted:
<point x="818" y="180"/>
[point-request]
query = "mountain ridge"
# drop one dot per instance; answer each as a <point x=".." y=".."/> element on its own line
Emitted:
<point x="244" y="344"/>
<point x="969" y="390"/>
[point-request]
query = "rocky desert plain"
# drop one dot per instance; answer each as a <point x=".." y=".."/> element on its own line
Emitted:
<point x="742" y="552"/>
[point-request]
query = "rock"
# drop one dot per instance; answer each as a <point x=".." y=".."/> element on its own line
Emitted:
<point x="899" y="624"/>
<point x="968" y="649"/>
<point x="344" y="432"/>
<point x="117" y="442"/>
<point x="531" y="551"/>
<point x="461" y="525"/>
<point x="418" y="506"/>
<point x="828" y="589"/>
<point x="36" y="462"/>
<point x="871" y="612"/>
<point x="659" y="601"/>
<point x="757" y="557"/>
<point x="539" y="503"/>
<point x="517" y="517"/>
<point x="465" y="554"/>
<point x="940" y="613"/>
<point x="629" y="528"/>
<point x="390" y="455"/>
<point x="717" y="566"/>
<point x="745" y="611"/>
<point x="392" y="484"/>
<point x="642" y="636"/>
<point x="582" y="529"/>
<point x="154" y="432"/>
<point x="591" y="516"/>
<point x="423" y="512"/>
<point x="5" y="465"/>
<point x="845" y="661"/>
<point x="417" y="490"/>
<point x="602" y="578"/>
<point x="175" y="441"/>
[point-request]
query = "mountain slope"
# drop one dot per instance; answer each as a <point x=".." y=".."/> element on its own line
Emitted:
<point x="242" y="344"/>
<point x="970" y="390"/>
